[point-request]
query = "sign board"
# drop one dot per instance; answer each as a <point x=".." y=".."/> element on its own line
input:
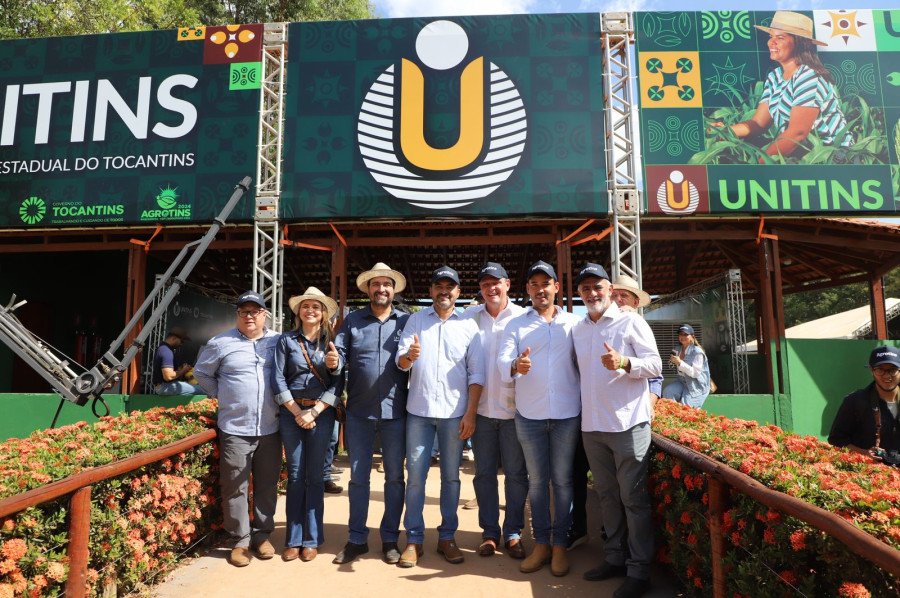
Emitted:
<point x="731" y="125"/>
<point x="128" y="129"/>
<point x="470" y="116"/>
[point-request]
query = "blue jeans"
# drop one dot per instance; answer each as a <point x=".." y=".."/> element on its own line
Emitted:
<point x="360" y="435"/>
<point x="549" y="448"/>
<point x="330" y="452"/>
<point x="305" y="453"/>
<point x="496" y="440"/>
<point x="419" y="440"/>
<point x="177" y="388"/>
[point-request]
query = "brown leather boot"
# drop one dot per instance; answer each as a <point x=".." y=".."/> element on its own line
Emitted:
<point x="559" y="563"/>
<point x="240" y="556"/>
<point x="410" y="556"/>
<point x="451" y="551"/>
<point x="538" y="557"/>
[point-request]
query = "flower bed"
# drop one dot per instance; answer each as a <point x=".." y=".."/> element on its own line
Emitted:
<point x="770" y="554"/>
<point x="141" y="522"/>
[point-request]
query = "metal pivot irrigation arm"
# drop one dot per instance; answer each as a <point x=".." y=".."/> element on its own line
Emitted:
<point x="80" y="388"/>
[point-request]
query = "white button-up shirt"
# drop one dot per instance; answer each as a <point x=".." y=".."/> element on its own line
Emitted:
<point x="498" y="399"/>
<point x="613" y="400"/>
<point x="451" y="360"/>
<point x="550" y="389"/>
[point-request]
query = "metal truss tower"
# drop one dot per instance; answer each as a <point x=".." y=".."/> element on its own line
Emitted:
<point x="734" y="302"/>
<point x="621" y="161"/>
<point x="268" y="257"/>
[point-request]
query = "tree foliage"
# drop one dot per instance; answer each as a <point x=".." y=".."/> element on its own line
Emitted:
<point x="39" y="18"/>
<point x="803" y="307"/>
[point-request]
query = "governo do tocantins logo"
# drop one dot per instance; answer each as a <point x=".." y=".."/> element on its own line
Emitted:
<point x="32" y="210"/>
<point x="492" y="126"/>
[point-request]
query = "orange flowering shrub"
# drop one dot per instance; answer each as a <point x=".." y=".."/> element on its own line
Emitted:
<point x="141" y="522"/>
<point x="769" y="553"/>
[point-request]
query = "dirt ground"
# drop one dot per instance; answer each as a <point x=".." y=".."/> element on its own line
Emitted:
<point x="497" y="576"/>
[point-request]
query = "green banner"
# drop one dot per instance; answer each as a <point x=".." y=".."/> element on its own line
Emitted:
<point x="492" y="116"/>
<point x="778" y="112"/>
<point x="128" y="129"/>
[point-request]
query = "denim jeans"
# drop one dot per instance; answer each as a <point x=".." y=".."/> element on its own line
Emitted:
<point x="419" y="440"/>
<point x="305" y="453"/>
<point x="549" y="448"/>
<point x="360" y="433"/>
<point x="496" y="441"/>
<point x="177" y="388"/>
<point x="330" y="452"/>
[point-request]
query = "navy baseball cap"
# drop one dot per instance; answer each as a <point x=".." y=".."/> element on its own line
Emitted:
<point x="492" y="269"/>
<point x="686" y="328"/>
<point x="445" y="272"/>
<point x="541" y="267"/>
<point x="882" y="355"/>
<point x="591" y="269"/>
<point x="250" y="297"/>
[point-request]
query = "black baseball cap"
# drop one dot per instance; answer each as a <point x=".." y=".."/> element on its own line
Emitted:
<point x="882" y="355"/>
<point x="445" y="272"/>
<point x="492" y="269"/>
<point x="250" y="297"/>
<point x="541" y="267"/>
<point x="591" y="269"/>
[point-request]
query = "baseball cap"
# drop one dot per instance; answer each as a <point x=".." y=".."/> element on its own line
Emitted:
<point x="250" y="297"/>
<point x="445" y="272"/>
<point x="541" y="267"/>
<point x="179" y="332"/>
<point x="492" y="269"/>
<point x="882" y="355"/>
<point x="686" y="328"/>
<point x="591" y="269"/>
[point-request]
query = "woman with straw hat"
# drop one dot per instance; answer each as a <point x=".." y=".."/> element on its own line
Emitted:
<point x="799" y="95"/>
<point x="306" y="382"/>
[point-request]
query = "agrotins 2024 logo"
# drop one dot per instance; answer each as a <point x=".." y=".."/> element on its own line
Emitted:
<point x="492" y="126"/>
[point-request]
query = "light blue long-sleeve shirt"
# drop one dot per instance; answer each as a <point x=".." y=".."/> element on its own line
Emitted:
<point x="237" y="371"/>
<point x="452" y="358"/>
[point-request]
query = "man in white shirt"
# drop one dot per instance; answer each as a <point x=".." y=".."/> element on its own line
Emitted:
<point x="495" y="439"/>
<point x="617" y="356"/>
<point x="443" y="353"/>
<point x="538" y="354"/>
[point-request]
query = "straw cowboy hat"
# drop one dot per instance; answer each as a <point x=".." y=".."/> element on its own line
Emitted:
<point x="627" y="283"/>
<point x="380" y="269"/>
<point x="314" y="293"/>
<point x="786" y="21"/>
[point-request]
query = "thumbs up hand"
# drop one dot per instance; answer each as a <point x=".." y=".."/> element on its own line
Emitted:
<point x="415" y="349"/>
<point x="332" y="359"/>
<point x="522" y="364"/>
<point x="612" y="359"/>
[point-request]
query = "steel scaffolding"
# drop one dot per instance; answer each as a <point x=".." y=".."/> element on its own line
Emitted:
<point x="268" y="257"/>
<point x="625" y="198"/>
<point x="734" y="303"/>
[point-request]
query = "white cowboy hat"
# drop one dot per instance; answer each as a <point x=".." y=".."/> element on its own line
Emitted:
<point x="330" y="304"/>
<point x="786" y="21"/>
<point x="627" y="283"/>
<point x="380" y="269"/>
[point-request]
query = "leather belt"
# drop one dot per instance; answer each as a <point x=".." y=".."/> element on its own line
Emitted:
<point x="306" y="402"/>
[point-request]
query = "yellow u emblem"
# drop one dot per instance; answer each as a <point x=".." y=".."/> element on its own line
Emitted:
<point x="471" y="119"/>
<point x="685" y="198"/>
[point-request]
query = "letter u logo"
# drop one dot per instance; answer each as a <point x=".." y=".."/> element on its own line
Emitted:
<point x="683" y="192"/>
<point x="493" y="126"/>
<point x="471" y="117"/>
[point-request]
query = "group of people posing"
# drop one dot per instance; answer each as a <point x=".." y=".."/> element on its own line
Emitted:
<point x="531" y="386"/>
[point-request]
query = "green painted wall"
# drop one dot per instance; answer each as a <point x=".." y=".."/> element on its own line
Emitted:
<point x="761" y="408"/>
<point x="822" y="373"/>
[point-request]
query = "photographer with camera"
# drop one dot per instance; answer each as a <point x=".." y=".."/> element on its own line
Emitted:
<point x="868" y="421"/>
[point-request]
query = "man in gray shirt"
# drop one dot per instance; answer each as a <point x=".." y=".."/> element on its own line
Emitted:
<point x="235" y="367"/>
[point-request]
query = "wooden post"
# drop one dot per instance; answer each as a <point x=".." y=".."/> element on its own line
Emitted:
<point x="769" y="333"/>
<point x="564" y="272"/>
<point x="877" y="308"/>
<point x="718" y="504"/>
<point x="134" y="297"/>
<point x="79" y="533"/>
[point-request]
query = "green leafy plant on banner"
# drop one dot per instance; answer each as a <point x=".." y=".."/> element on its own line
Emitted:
<point x="865" y="123"/>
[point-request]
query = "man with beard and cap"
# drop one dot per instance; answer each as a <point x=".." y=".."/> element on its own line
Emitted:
<point x="376" y="404"/>
<point x="495" y="438"/>
<point x="235" y="367"/>
<point x="537" y="353"/>
<point x="617" y="356"/>
<point x="443" y="353"/>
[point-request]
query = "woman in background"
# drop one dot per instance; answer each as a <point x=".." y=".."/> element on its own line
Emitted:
<point x="692" y="386"/>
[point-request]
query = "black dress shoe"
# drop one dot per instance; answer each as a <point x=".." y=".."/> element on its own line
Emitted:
<point x="604" y="571"/>
<point x="632" y="588"/>
<point x="349" y="553"/>
<point x="391" y="553"/>
<point x="332" y="488"/>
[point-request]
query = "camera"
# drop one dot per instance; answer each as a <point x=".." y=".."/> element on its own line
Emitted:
<point x="674" y="352"/>
<point x="888" y="457"/>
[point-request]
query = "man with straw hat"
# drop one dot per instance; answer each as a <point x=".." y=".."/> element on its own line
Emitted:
<point x="376" y="404"/>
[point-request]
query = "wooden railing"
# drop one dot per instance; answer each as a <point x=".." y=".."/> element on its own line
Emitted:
<point x="721" y="478"/>
<point x="79" y="486"/>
